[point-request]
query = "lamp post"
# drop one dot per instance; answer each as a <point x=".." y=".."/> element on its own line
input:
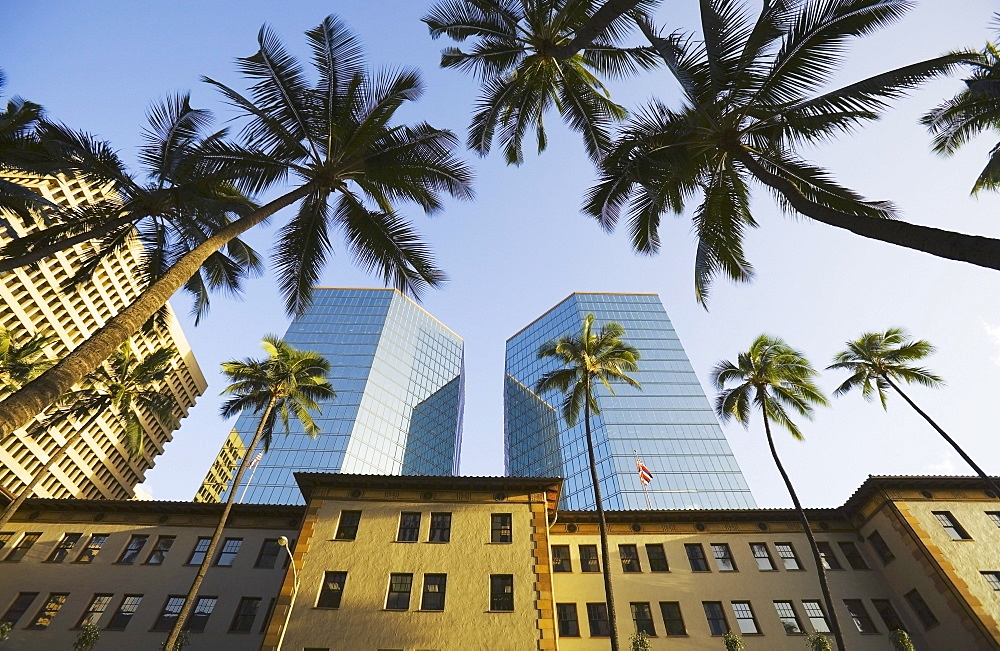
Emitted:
<point x="283" y="542"/>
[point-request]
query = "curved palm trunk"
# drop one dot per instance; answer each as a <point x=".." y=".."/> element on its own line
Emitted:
<point x="41" y="392"/>
<point x="47" y="251"/>
<point x="192" y="594"/>
<point x="602" y="525"/>
<point x="986" y="478"/>
<point x="820" y="570"/>
<point x="974" y="249"/>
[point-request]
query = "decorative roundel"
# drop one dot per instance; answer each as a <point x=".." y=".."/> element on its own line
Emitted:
<point x="427" y="495"/>
<point x="927" y="494"/>
<point x="356" y="493"/>
<point x="825" y="526"/>
<point x="499" y="496"/>
<point x="163" y="518"/>
<point x="636" y="527"/>
<point x="34" y="515"/>
<point x="699" y="526"/>
<point x="99" y="517"/>
<point x="571" y="528"/>
<point x="762" y="526"/>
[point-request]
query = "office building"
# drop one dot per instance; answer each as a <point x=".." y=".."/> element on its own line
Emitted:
<point x="398" y="376"/>
<point x="669" y="422"/>
<point x="32" y="300"/>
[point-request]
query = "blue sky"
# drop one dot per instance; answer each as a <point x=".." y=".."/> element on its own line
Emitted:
<point x="522" y="246"/>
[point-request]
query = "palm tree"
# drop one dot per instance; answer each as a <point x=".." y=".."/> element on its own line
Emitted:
<point x="285" y="384"/>
<point x="775" y="378"/>
<point x="126" y="391"/>
<point x="749" y="100"/>
<point x="877" y="361"/>
<point x="336" y="138"/>
<point x="22" y="362"/>
<point x="531" y="55"/>
<point x="585" y="360"/>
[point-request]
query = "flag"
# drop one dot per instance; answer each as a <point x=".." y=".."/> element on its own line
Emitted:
<point x="256" y="459"/>
<point x="644" y="475"/>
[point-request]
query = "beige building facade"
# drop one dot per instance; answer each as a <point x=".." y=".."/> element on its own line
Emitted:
<point x="222" y="470"/>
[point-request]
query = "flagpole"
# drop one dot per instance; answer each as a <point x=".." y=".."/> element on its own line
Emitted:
<point x="649" y="505"/>
<point x="253" y="471"/>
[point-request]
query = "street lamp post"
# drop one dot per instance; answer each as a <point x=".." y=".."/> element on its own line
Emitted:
<point x="283" y="542"/>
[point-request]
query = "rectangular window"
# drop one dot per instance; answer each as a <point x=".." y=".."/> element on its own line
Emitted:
<point x="203" y="608"/>
<point x="434" y="591"/>
<point x="994" y="517"/>
<point x="227" y="554"/>
<point x="853" y="556"/>
<point x="159" y="553"/>
<point x="560" y="559"/>
<point x="440" y="527"/>
<point x="862" y="620"/>
<point x="94" y="545"/>
<point x="696" y="556"/>
<point x="992" y="579"/>
<point x="723" y="557"/>
<point x="642" y="615"/>
<point x="789" y="619"/>
<point x="267" y="615"/>
<point x="657" y="558"/>
<point x="171" y="608"/>
<point x="589" y="561"/>
<point x="128" y="606"/>
<point x="920" y="608"/>
<point x="745" y="620"/>
<point x="132" y="549"/>
<point x="246" y="612"/>
<point x="268" y="555"/>
<point x="814" y="611"/>
<point x="502" y="592"/>
<point x="409" y="527"/>
<point x="716" y="617"/>
<point x="630" y="558"/>
<point x="97" y="606"/>
<point x="400" y="586"/>
<point x="878" y="544"/>
<point x="331" y="590"/>
<point x="23" y="545"/>
<point x="64" y="547"/>
<point x="787" y="555"/>
<point x="569" y="625"/>
<point x="673" y="622"/>
<point x="827" y="557"/>
<point x="951" y="525"/>
<point x="762" y="556"/>
<point x="21" y="604"/>
<point x="347" y="528"/>
<point x="888" y="614"/>
<point x="198" y="553"/>
<point x="48" y="611"/>
<point x="597" y="618"/>
<point x="501" y="528"/>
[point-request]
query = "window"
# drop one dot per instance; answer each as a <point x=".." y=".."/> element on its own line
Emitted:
<point x="227" y="555"/>
<point x="569" y="625"/>
<point x="159" y="553"/>
<point x="597" y="618"/>
<point x="853" y="556"/>
<point x="716" y="617"/>
<point x="814" y="611"/>
<point x="888" y="614"/>
<point x="787" y="555"/>
<point x="171" y="608"/>
<point x="951" y="525"/>
<point x="657" y="558"/>
<point x="762" y="556"/>
<point x="128" y="606"/>
<point x="878" y="544"/>
<point x="589" y="562"/>
<point x="246" y="612"/>
<point x="331" y="590"/>
<point x="560" y="559"/>
<point x="198" y="553"/>
<point x="347" y="528"/>
<point x="409" y="527"/>
<point x="862" y="620"/>
<point x="268" y="555"/>
<point x="921" y="609"/>
<point x="94" y="611"/>
<point x="696" y="556"/>
<point x="267" y="615"/>
<point x="203" y="608"/>
<point x="440" y="527"/>
<point x="132" y="549"/>
<point x="630" y="558"/>
<point x="64" y="547"/>
<point x="501" y="528"/>
<point x="789" y="620"/>
<point x="643" y="618"/>
<point x="19" y="607"/>
<point x="48" y="611"/>
<point x="992" y="579"/>
<point x="22" y="546"/>
<point x="399" y="592"/>
<point x="434" y="591"/>
<point x="828" y="558"/>
<point x="672" y="620"/>
<point x="723" y="557"/>
<point x="745" y="620"/>
<point x="994" y="516"/>
<point x="94" y="545"/>
<point x="501" y="592"/>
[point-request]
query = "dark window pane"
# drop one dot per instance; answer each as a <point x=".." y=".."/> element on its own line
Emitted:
<point x="723" y="557"/>
<point x="569" y="625"/>
<point x="98" y="604"/>
<point x="502" y="592"/>
<point x="409" y="527"/>
<point x="331" y="590"/>
<point x="131" y="551"/>
<point x="434" y="591"/>
<point x="657" y="558"/>
<point x="696" y="556"/>
<point x="672" y="620"/>
<point x="888" y="614"/>
<point x="227" y="554"/>
<point x="881" y="548"/>
<point x="171" y="608"/>
<point x="951" y="525"/>
<point x="762" y="556"/>
<point x="440" y="527"/>
<point x="159" y="553"/>
<point x="268" y="555"/>
<point x="827" y="556"/>
<point x="347" y="528"/>
<point x="501" y="528"/>
<point x="18" y="607"/>
<point x="860" y="616"/>
<point x="560" y="559"/>
<point x="853" y="556"/>
<point x="64" y="547"/>
<point x="589" y="561"/>
<point x="246" y="612"/>
<point x="94" y="545"/>
<point x="48" y="611"/>
<point x="921" y="609"/>
<point x="203" y="608"/>
<point x="399" y="592"/>
<point x="716" y="617"/>
<point x="642" y="616"/>
<point x="597" y="617"/>
<point x="22" y="546"/>
<point x="127" y="607"/>
<point x="630" y="558"/>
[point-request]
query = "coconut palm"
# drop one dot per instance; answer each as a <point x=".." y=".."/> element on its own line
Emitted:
<point x="284" y="385"/>
<point x="533" y="55"/>
<point x="754" y="90"/>
<point x="775" y="378"/>
<point x="585" y="360"/>
<point x="127" y="391"/>
<point x="22" y="361"/>
<point x="336" y="138"/>
<point x="879" y="361"/>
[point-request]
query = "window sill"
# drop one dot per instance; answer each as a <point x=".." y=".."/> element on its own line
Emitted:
<point x="500" y="542"/>
<point x="438" y="542"/>
<point x="499" y="611"/>
<point x="326" y="607"/>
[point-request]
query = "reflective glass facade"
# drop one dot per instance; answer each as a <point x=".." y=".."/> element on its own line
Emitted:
<point x="398" y="374"/>
<point x="669" y="422"/>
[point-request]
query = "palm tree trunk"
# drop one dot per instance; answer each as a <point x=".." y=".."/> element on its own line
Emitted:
<point x="206" y="562"/>
<point x="41" y="392"/>
<point x="986" y="478"/>
<point x="602" y="525"/>
<point x="36" y="255"/>
<point x="603" y="17"/>
<point x="824" y="586"/>
<point x="974" y="249"/>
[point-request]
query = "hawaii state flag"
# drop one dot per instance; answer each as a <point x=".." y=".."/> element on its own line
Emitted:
<point x="256" y="459"/>
<point x="644" y="475"/>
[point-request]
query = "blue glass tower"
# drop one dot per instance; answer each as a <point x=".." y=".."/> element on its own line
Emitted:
<point x="398" y="374"/>
<point x="669" y="423"/>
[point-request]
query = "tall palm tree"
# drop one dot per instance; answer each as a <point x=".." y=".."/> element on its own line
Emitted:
<point x="126" y="390"/>
<point x="751" y="97"/>
<point x="878" y="361"/>
<point x="337" y="139"/>
<point x="585" y="360"/>
<point x="775" y="378"/>
<point x="286" y="384"/>
<point x="22" y="361"/>
<point x="528" y="58"/>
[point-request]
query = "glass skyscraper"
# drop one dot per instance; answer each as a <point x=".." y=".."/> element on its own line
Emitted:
<point x="398" y="374"/>
<point x="669" y="422"/>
